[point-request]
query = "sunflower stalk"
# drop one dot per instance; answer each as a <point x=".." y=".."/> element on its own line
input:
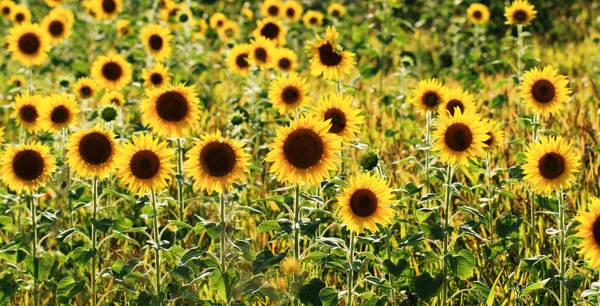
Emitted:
<point x="427" y="149"/>
<point x="446" y="234"/>
<point x="490" y="194"/>
<point x="223" y="242"/>
<point x="350" y="269"/>
<point x="296" y="218"/>
<point x="65" y="135"/>
<point x="156" y="241"/>
<point x="562" y="236"/>
<point x="180" y="178"/>
<point x="93" y="233"/>
<point x="34" y="243"/>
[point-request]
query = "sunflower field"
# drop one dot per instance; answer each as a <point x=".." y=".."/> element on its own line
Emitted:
<point x="299" y="152"/>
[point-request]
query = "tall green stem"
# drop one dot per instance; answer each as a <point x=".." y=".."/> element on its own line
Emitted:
<point x="223" y="242"/>
<point x="446" y="234"/>
<point x="490" y="195"/>
<point x="156" y="241"/>
<point x="427" y="149"/>
<point x="562" y="234"/>
<point x="179" y="177"/>
<point x="65" y="135"/>
<point x="351" y="271"/>
<point x="94" y="251"/>
<point x="296" y="218"/>
<point x="33" y="208"/>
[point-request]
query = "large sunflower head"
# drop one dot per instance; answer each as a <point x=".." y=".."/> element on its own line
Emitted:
<point x="144" y="164"/>
<point x="217" y="20"/>
<point x="428" y="95"/>
<point x="85" y="88"/>
<point x="157" y="41"/>
<point x="229" y="31"/>
<point x="291" y="10"/>
<point x="238" y="59"/>
<point x="26" y="111"/>
<point x="460" y="136"/>
<point x="59" y="111"/>
<point x="111" y="71"/>
<point x="170" y="110"/>
<point x="6" y="8"/>
<point x="304" y="151"/>
<point x="328" y="58"/>
<point x="113" y="97"/>
<point x="20" y="14"/>
<point x="455" y="98"/>
<point x="26" y="167"/>
<point x="365" y="203"/>
<point x="215" y="162"/>
<point x="313" y="18"/>
<point x="550" y="164"/>
<point x="478" y="13"/>
<point x="285" y="59"/>
<point x="345" y="119"/>
<point x="271" y="29"/>
<point x="29" y="44"/>
<point x="289" y="93"/>
<point x="336" y="10"/>
<point x="496" y="135"/>
<point x="91" y="152"/>
<point x="58" y="24"/>
<point x="589" y="230"/>
<point x="544" y="90"/>
<point x="271" y="8"/>
<point x="156" y="77"/>
<point x="519" y="12"/>
<point x="105" y="9"/>
<point x="262" y="53"/>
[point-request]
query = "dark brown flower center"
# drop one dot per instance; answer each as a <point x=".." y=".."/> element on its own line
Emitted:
<point x="172" y="106"/>
<point x="95" y="148"/>
<point x="60" y="114"/>
<point x="29" y="43"/>
<point x="20" y="17"/>
<point x="17" y="83"/>
<point x="219" y="23"/>
<point x="551" y="165"/>
<point x="543" y="91"/>
<point x="109" y="6"/>
<point x="290" y="95"/>
<point x="596" y="230"/>
<point x="242" y="60"/>
<point x="290" y="12"/>
<point x="328" y="56"/>
<point x="28" y="113"/>
<point x="453" y="104"/>
<point x="363" y="202"/>
<point x="273" y="10"/>
<point x="477" y="15"/>
<point x="112" y="71"/>
<point x="338" y="120"/>
<point x="115" y="101"/>
<point x="56" y="28"/>
<point x="86" y="91"/>
<point x="285" y="63"/>
<point x="312" y="20"/>
<point x="155" y="42"/>
<point x="6" y="10"/>
<point x="261" y="54"/>
<point x="431" y="99"/>
<point x="144" y="164"/>
<point x="303" y="148"/>
<point x="270" y="30"/>
<point x="217" y="159"/>
<point x="156" y="78"/>
<point x="490" y="140"/>
<point x="458" y="137"/>
<point x="335" y="13"/>
<point x="520" y="16"/>
<point x="28" y="165"/>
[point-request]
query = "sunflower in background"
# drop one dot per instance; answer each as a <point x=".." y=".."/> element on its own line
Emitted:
<point x="478" y="13"/>
<point x="456" y="98"/>
<point x="328" y="58"/>
<point x="336" y="10"/>
<point x="289" y="93"/>
<point x="26" y="167"/>
<point x="91" y="152"/>
<point x="589" y="230"/>
<point x="85" y="88"/>
<point x="111" y="71"/>
<point x="171" y="110"/>
<point x="6" y="9"/>
<point x="26" y="111"/>
<point x="262" y="53"/>
<point x="17" y="81"/>
<point x="113" y="97"/>
<point x="156" y="77"/>
<point x="271" y="29"/>
<point x="519" y="12"/>
<point x="54" y="3"/>
<point x="108" y="113"/>
<point x="496" y="135"/>
<point x="285" y="60"/>
<point x="104" y="9"/>
<point x="460" y="137"/>
<point x="271" y="8"/>
<point x="217" y="20"/>
<point x="544" y="91"/>
<point x="199" y="29"/>
<point x="20" y="14"/>
<point x="58" y="24"/>
<point x="344" y="118"/>
<point x="229" y="31"/>
<point x="59" y="111"/>
<point x="238" y="59"/>
<point x="157" y="41"/>
<point x="550" y="164"/>
<point x="292" y="10"/>
<point x="123" y="28"/>
<point x="313" y="18"/>
<point x="247" y="13"/>
<point x="28" y="44"/>
<point x="429" y="94"/>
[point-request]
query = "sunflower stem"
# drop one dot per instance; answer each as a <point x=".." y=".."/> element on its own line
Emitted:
<point x="561" y="227"/>
<point x="68" y="175"/>
<point x="388" y="242"/>
<point x="34" y="247"/>
<point x="490" y="195"/>
<point x="156" y="241"/>
<point x="446" y="234"/>
<point x="296" y="217"/>
<point x="350" y="270"/>
<point x="223" y="242"/>
<point x="427" y="148"/>
<point x="179" y="178"/>
<point x="94" y="211"/>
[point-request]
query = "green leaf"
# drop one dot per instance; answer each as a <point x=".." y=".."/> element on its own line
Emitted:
<point x="180" y="224"/>
<point x="310" y="293"/>
<point x="534" y="287"/>
<point x="102" y="225"/>
<point x="314" y="256"/>
<point x="218" y="282"/>
<point x="465" y="264"/>
<point x="380" y="283"/>
<point x="213" y="229"/>
<point x="67" y="288"/>
<point x="269" y="225"/>
<point x="394" y="269"/>
<point x="329" y="296"/>
<point x="193" y="253"/>
<point x="265" y="259"/>
<point x="41" y="266"/>
<point x="81" y="255"/>
<point x="507" y="225"/>
<point x="427" y="286"/>
<point x="122" y="236"/>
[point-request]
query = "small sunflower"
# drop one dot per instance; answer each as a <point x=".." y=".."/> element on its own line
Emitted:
<point x="550" y="164"/>
<point x="53" y="3"/>
<point x="123" y="28"/>
<point x="313" y="18"/>
<point x="113" y="97"/>
<point x="85" y="88"/>
<point x="336" y="10"/>
<point x="289" y="93"/>
<point x="58" y="25"/>
<point x="544" y="90"/>
<point x="327" y="58"/>
<point x="285" y="59"/>
<point x="460" y="137"/>
<point x="496" y="135"/>
<point x="589" y="230"/>
<point x="29" y="44"/>
<point x="238" y="59"/>
<point x="271" y="8"/>
<point x="229" y="31"/>
<point x="170" y="110"/>
<point x="217" y="20"/>
<point x="457" y="98"/>
<point x="156" y="77"/>
<point x="111" y="71"/>
<point x="263" y="51"/>
<point x="157" y="41"/>
<point x="292" y="10"/>
<point x="272" y="29"/>
<point x="345" y="119"/>
<point x="519" y="12"/>
<point x="105" y="9"/>
<point x="248" y="14"/>
<point x="6" y="8"/>
<point x="215" y="162"/>
<point x="199" y="29"/>
<point x="108" y="113"/>
<point x="478" y="13"/>
<point x="20" y="14"/>
<point x="144" y="164"/>
<point x="304" y="151"/>
<point x="429" y="95"/>
<point x="91" y="152"/>
<point x="17" y="81"/>
<point x="59" y="111"/>
<point x="365" y="203"/>
<point x="24" y="168"/>
<point x="26" y="111"/>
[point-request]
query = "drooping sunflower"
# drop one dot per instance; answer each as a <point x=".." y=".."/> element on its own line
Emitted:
<point x="285" y="59"/>
<point x="365" y="203"/>
<point x="292" y="10"/>
<point x="123" y="28"/>
<point x="157" y="41"/>
<point x="589" y="230"/>
<point x="20" y="14"/>
<point x="478" y="13"/>
<point x="91" y="152"/>
<point x="217" y="20"/>
<point x="460" y="137"/>
<point x="105" y="9"/>
<point x="26" y="111"/>
<point x="85" y="88"/>
<point x="454" y="98"/>
<point x="170" y="110"/>
<point x="6" y="8"/>
<point x="17" y="81"/>
<point x="550" y="164"/>
<point x="336" y="10"/>
<point x="26" y="167"/>
<point x="58" y="24"/>
<point x="144" y="164"/>
<point x="328" y="58"/>
<point x="272" y="29"/>
<point x="519" y="12"/>
<point x="271" y="8"/>
<point x="313" y="18"/>
<point x="345" y="119"/>
<point x="156" y="77"/>
<point x="215" y="162"/>
<point x="428" y="95"/>
<point x="113" y="97"/>
<point x="496" y="135"/>
<point x="111" y="71"/>
<point x="544" y="90"/>
<point x="263" y="51"/>
<point x="59" y="111"/>
<point x="289" y="93"/>
<point x="229" y="31"/>
<point x="29" y="44"/>
<point x="304" y="151"/>
<point x="238" y="59"/>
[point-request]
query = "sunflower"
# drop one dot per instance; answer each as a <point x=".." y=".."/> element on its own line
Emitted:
<point x="271" y="8"/>
<point x="29" y="44"/>
<point x="157" y="41"/>
<point x="59" y="111"/>
<point x="336" y="10"/>
<point x="238" y="59"/>
<point x="111" y="71"/>
<point x="217" y="20"/>
<point x="20" y="14"/>
<point x="6" y="8"/>
<point x="26" y="111"/>
<point x="53" y="3"/>
<point x="313" y="18"/>
<point x="304" y="151"/>
<point x="26" y="167"/>
<point x="113" y="97"/>
<point x="544" y="90"/>
<point x="272" y="29"/>
<point x="496" y="135"/>
<point x="248" y="14"/>
<point x="17" y="81"/>
<point x="285" y="59"/>
<point x="58" y="24"/>
<point x="215" y="161"/>
<point x="550" y="164"/>
<point x="170" y="110"/>
<point x="105" y="9"/>
<point x="123" y="28"/>
<point x="289" y="93"/>
<point x="327" y="58"/>
<point x="345" y="119"/>
<point x="292" y="10"/>
<point x="519" y="12"/>
<point x="85" y="88"/>
<point x="199" y="29"/>
<point x="429" y="95"/>
<point x="589" y="230"/>
<point x="144" y="164"/>
<point x="262" y="52"/>
<point x="460" y="136"/>
<point x="478" y="13"/>
<point x="91" y="152"/>
<point x="156" y="77"/>
<point x="229" y="31"/>
<point x="456" y="98"/>
<point x="108" y="113"/>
